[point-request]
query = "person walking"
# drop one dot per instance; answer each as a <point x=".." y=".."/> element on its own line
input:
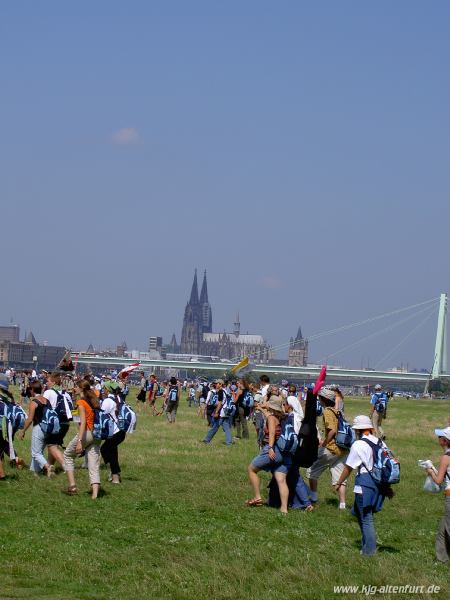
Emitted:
<point x="172" y="396"/>
<point x="244" y="404"/>
<point x="378" y="406"/>
<point x="84" y="441"/>
<point x="330" y="456"/>
<point x="222" y="415"/>
<point x="442" y="476"/>
<point x="38" y="438"/>
<point x="110" y="447"/>
<point x="368" y="496"/>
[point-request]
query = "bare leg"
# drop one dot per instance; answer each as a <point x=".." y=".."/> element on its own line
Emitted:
<point x="342" y="490"/>
<point x="55" y="453"/>
<point x="95" y="489"/>
<point x="284" y="491"/>
<point x="255" y="482"/>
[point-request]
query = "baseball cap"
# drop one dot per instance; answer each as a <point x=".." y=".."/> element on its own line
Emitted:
<point x="221" y="381"/>
<point x="378" y="387"/>
<point x="445" y="433"/>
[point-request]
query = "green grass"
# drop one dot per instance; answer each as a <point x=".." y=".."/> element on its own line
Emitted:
<point x="177" y="527"/>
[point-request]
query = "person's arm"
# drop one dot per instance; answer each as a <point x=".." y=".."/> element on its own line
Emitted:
<point x="272" y="423"/>
<point x="345" y="473"/>
<point x="28" y="422"/>
<point x="216" y="413"/>
<point x="440" y="475"/>
<point x="82" y="429"/>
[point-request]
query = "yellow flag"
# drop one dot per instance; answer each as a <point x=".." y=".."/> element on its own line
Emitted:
<point x="244" y="362"/>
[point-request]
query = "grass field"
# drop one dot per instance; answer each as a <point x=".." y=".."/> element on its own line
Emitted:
<point x="177" y="527"/>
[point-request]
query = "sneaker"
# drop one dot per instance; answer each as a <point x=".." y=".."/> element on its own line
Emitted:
<point x="51" y="471"/>
<point x="110" y="476"/>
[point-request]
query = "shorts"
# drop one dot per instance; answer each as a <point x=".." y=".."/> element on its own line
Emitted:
<point x="327" y="460"/>
<point x="281" y="464"/>
<point x="57" y="439"/>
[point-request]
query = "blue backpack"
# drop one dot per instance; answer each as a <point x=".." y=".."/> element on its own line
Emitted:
<point x="173" y="393"/>
<point x="15" y="415"/>
<point x="229" y="407"/>
<point x="386" y="468"/>
<point x="103" y="425"/>
<point x="381" y="402"/>
<point x="60" y="407"/>
<point x="50" y="421"/>
<point x="288" y="440"/>
<point x="247" y="400"/>
<point x="126" y="418"/>
<point x="345" y="435"/>
<point x="214" y="399"/>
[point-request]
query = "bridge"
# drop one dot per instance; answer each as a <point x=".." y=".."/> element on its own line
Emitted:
<point x="439" y="370"/>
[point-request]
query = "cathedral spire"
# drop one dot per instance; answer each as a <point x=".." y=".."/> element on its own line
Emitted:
<point x="299" y="334"/>
<point x="194" y="290"/>
<point x="204" y="292"/>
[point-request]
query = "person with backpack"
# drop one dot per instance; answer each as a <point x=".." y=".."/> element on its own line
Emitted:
<point x="222" y="415"/>
<point x="38" y="415"/>
<point x="271" y="458"/>
<point x="172" y="395"/>
<point x="204" y="389"/>
<point x="84" y="441"/>
<point x="15" y="418"/>
<point x="369" y="495"/>
<point x="109" y="448"/>
<point x="61" y="403"/>
<point x="191" y="395"/>
<point x="244" y="404"/>
<point x="211" y="402"/>
<point x="330" y="455"/>
<point x="378" y="406"/>
<point x="143" y="387"/>
<point x="442" y="478"/>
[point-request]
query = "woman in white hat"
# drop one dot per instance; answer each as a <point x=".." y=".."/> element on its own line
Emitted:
<point x="443" y="476"/>
<point x="368" y="497"/>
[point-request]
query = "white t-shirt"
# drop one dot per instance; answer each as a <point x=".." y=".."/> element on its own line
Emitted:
<point x="264" y="390"/>
<point x="298" y="412"/>
<point x="109" y="406"/>
<point x="361" y="454"/>
<point x="52" y="397"/>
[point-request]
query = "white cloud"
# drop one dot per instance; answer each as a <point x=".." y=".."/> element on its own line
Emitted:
<point x="126" y="136"/>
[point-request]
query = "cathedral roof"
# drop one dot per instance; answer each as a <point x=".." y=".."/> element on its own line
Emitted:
<point x="243" y="338"/>
<point x="204" y="291"/>
<point x="194" y="291"/>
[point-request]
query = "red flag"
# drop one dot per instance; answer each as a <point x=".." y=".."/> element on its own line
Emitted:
<point x="320" y="380"/>
<point x="127" y="370"/>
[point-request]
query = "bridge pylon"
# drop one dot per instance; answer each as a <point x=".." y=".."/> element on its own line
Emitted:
<point x="440" y="352"/>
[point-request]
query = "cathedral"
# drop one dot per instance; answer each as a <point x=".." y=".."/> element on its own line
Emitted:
<point x="298" y="350"/>
<point x="197" y="336"/>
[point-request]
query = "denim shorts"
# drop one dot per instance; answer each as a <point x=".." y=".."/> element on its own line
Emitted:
<point x="281" y="464"/>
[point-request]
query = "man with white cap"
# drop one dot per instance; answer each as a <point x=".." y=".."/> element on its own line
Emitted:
<point x="330" y="456"/>
<point x="378" y="405"/>
<point x="442" y="476"/>
<point x="368" y="498"/>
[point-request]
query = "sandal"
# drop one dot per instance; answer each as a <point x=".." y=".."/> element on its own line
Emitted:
<point x="255" y="502"/>
<point x="309" y="508"/>
<point x="72" y="490"/>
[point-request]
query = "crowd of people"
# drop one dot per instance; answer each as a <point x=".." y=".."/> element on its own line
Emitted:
<point x="295" y="428"/>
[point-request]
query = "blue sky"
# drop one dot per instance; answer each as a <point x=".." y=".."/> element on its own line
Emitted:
<point x="297" y="151"/>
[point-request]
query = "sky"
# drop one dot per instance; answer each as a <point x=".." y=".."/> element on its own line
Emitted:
<point x="298" y="151"/>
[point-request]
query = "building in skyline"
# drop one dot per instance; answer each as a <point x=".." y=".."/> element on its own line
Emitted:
<point x="198" y="338"/>
<point x="298" y="350"/>
<point x="28" y="353"/>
